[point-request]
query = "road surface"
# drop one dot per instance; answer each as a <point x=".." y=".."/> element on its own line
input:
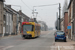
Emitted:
<point x="44" y="42"/>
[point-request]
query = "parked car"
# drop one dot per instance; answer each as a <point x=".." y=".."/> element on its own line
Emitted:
<point x="60" y="35"/>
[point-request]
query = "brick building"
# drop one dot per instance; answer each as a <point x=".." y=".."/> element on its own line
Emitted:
<point x="71" y="19"/>
<point x="66" y="22"/>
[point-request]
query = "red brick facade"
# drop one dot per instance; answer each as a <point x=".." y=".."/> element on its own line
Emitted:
<point x="65" y="22"/>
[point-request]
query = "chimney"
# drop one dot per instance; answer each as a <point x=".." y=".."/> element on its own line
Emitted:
<point x="35" y="20"/>
<point x="20" y="12"/>
<point x="9" y="6"/>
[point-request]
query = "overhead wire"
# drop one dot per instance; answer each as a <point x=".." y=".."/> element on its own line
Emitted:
<point x="26" y="5"/>
<point x="46" y="5"/>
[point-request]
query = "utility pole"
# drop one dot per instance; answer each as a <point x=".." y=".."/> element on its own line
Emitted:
<point x="57" y="21"/>
<point x="33" y="11"/>
<point x="50" y="5"/>
<point x="59" y="15"/>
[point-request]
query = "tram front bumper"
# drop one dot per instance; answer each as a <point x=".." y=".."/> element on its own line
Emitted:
<point x="27" y="35"/>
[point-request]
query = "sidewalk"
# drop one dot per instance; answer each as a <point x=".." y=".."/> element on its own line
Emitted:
<point x="69" y="45"/>
<point x="9" y="36"/>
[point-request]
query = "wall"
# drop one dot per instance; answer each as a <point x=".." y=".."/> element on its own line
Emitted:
<point x="65" y="22"/>
<point x="9" y="23"/>
<point x="1" y="17"/>
<point x="14" y="23"/>
<point x="62" y="25"/>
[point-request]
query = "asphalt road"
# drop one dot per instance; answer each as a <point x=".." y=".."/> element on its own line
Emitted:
<point x="44" y="42"/>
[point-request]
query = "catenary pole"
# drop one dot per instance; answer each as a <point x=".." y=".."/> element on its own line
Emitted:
<point x="59" y="16"/>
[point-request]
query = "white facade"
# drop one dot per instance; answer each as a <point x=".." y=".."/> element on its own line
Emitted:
<point x="62" y="26"/>
<point x="9" y="23"/>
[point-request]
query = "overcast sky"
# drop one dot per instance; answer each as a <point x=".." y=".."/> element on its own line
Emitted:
<point x="46" y="14"/>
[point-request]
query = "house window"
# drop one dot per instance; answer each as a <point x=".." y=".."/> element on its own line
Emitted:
<point x="1" y="15"/>
<point x="4" y="18"/>
<point x="19" y="19"/>
<point x="1" y="28"/>
<point x="11" y="17"/>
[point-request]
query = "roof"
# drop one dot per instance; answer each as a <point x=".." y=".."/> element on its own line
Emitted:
<point x="12" y="8"/>
<point x="7" y="8"/>
<point x="24" y="15"/>
<point x="14" y="11"/>
<point x="65" y="12"/>
<point x="70" y="3"/>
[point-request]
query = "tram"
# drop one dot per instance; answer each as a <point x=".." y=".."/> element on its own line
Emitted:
<point x="30" y="29"/>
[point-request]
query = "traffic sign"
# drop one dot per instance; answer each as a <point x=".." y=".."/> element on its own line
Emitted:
<point x="69" y="24"/>
<point x="68" y="27"/>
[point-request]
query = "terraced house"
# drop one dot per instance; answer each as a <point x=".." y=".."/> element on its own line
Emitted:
<point x="71" y="19"/>
<point x="1" y="16"/>
<point x="10" y="20"/>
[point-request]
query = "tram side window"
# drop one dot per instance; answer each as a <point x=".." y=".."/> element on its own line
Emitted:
<point x="32" y="28"/>
<point x="35" y="28"/>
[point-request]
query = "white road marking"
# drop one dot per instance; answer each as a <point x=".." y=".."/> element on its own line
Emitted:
<point x="7" y="47"/>
<point x="58" y="48"/>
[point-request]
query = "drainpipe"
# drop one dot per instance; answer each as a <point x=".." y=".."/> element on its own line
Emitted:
<point x="71" y="30"/>
<point x="17" y="23"/>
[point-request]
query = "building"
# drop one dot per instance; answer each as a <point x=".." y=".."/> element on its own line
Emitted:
<point x="71" y="19"/>
<point x="22" y="18"/>
<point x="15" y="23"/>
<point x="44" y="27"/>
<point x="10" y="16"/>
<point x="66" y="22"/>
<point x="62" y="24"/>
<point x="1" y="16"/>
<point x="10" y="20"/>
